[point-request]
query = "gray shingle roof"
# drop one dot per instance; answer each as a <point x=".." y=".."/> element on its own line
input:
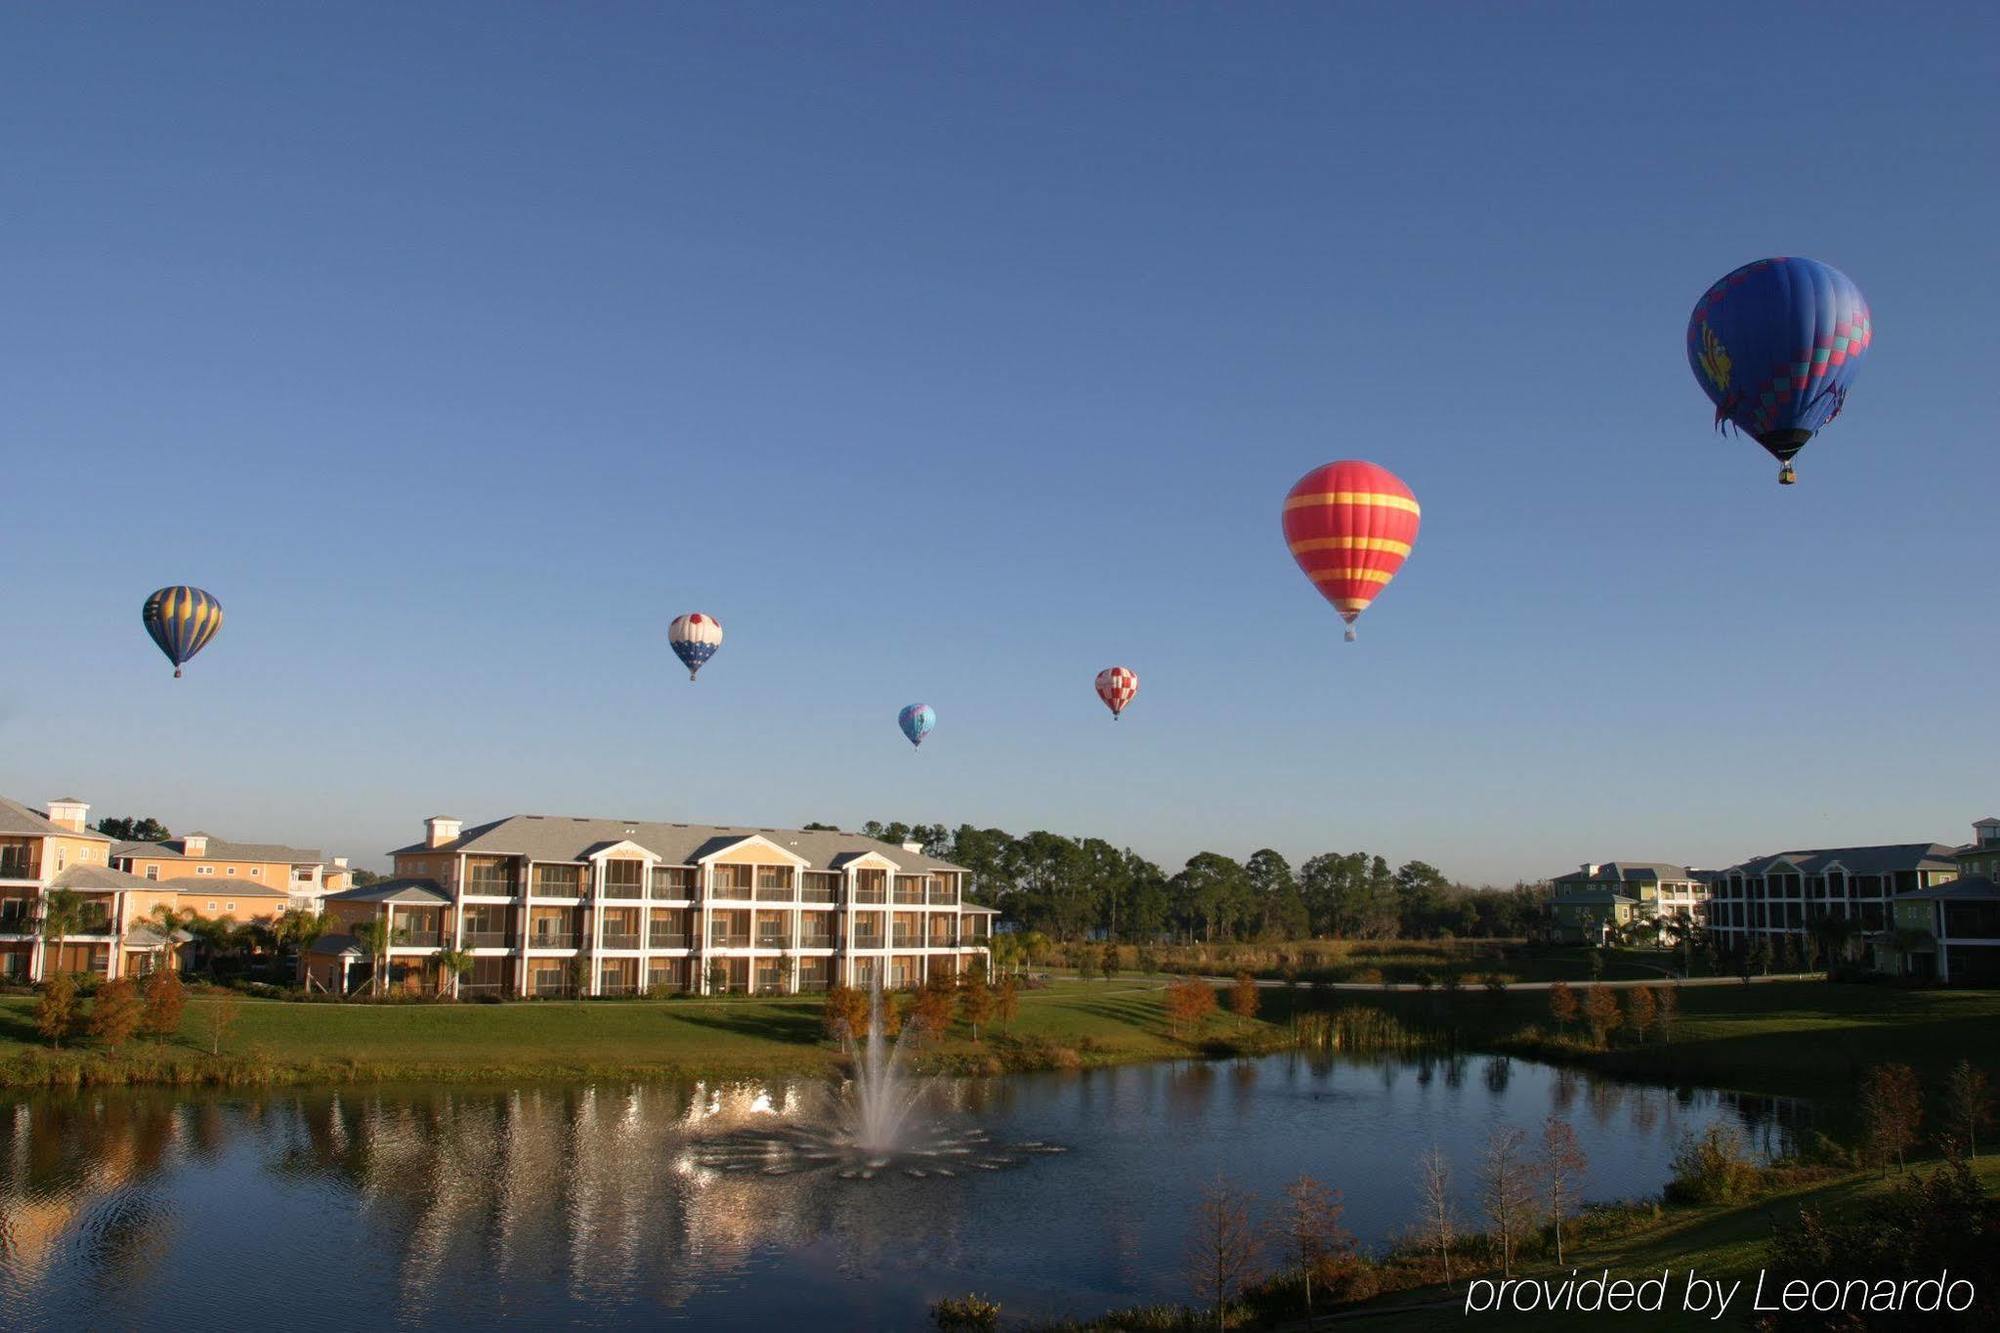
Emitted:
<point x="1878" y="860"/>
<point x="1628" y="872"/>
<point x="333" y="946"/>
<point x="421" y="891"/>
<point x="221" y="849"/>
<point x="1970" y="888"/>
<point x="24" y="821"/>
<point x="560" y="838"/>
<point x="232" y="886"/>
<point x="1591" y="898"/>
<point x="99" y="878"/>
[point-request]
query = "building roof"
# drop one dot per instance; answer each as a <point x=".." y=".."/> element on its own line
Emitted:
<point x="98" y="879"/>
<point x="561" y="838"/>
<point x="147" y="936"/>
<point x="1604" y="897"/>
<point x="1879" y="860"/>
<point x="216" y="886"/>
<point x="1628" y="872"/>
<point x="220" y="849"/>
<point x="1968" y="888"/>
<point x="24" y="821"/>
<point x="420" y="891"/>
<point x="334" y="946"/>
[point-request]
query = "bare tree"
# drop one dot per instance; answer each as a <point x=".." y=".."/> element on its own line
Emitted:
<point x="1968" y="1104"/>
<point x="1439" y="1224"/>
<point x="1505" y="1190"/>
<point x="1562" y="1167"/>
<point x="1311" y="1234"/>
<point x="1223" y="1251"/>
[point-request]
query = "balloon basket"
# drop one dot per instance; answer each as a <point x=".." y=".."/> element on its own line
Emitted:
<point x="1351" y="636"/>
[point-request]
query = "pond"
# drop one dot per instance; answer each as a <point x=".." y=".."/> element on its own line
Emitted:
<point x="608" y="1205"/>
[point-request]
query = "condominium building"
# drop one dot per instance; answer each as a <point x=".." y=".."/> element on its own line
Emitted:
<point x="1592" y="900"/>
<point x="550" y="906"/>
<point x="208" y="867"/>
<point x="1777" y="896"/>
<point x="1950" y="932"/>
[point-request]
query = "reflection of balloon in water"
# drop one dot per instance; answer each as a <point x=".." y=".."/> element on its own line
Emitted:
<point x="916" y="722"/>
<point x="181" y="620"/>
<point x="1350" y="525"/>
<point x="1116" y="686"/>
<point x="1775" y="346"/>
<point x="694" y="637"/>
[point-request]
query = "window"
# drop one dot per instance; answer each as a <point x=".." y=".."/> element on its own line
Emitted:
<point x="204" y="870"/>
<point x="256" y="872"/>
<point x="230" y="870"/>
<point x="211" y="906"/>
<point x="152" y="872"/>
<point x="229" y="907"/>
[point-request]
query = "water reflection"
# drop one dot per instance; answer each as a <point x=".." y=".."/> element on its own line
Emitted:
<point x="604" y="1204"/>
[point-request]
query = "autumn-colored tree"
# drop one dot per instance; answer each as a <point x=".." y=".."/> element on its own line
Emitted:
<point x="1243" y="996"/>
<point x="930" y="1012"/>
<point x="1311" y="1235"/>
<point x="1562" y="1004"/>
<point x="1223" y="1250"/>
<point x="165" y="998"/>
<point x="1189" y="1002"/>
<point x="1007" y="1001"/>
<point x="115" y="1014"/>
<point x="1968" y="1105"/>
<point x="1892" y="1108"/>
<point x="55" y="1011"/>
<point x="1639" y="1012"/>
<point x="1666" y="1001"/>
<point x="1506" y="1190"/>
<point x="844" y="1015"/>
<point x="975" y="1002"/>
<point x="1600" y="1011"/>
<point x="1561" y="1167"/>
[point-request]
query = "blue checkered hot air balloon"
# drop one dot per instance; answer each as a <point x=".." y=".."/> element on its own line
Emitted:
<point x="181" y="620"/>
<point x="694" y="637"/>
<point x="916" y="722"/>
<point x="1775" y="346"/>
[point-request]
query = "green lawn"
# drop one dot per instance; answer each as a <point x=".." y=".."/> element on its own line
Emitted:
<point x="1068" y="1023"/>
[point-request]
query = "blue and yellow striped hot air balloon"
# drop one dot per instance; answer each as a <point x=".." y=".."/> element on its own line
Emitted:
<point x="181" y="620"/>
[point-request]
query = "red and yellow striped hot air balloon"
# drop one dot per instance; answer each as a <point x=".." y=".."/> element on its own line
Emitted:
<point x="1350" y="526"/>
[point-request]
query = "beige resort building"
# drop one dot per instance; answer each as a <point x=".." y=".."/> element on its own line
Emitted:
<point x="556" y="906"/>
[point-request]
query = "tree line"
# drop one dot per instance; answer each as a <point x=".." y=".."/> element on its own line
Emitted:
<point x="1073" y="887"/>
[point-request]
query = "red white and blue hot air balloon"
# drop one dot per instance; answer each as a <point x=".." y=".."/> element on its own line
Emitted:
<point x="916" y="722"/>
<point x="1350" y="526"/>
<point x="1116" y="686"/>
<point x="694" y="637"/>
<point x="1775" y="345"/>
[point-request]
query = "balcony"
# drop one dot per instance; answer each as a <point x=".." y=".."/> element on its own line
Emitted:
<point x="618" y="939"/>
<point x="487" y="939"/>
<point x="910" y="896"/>
<point x="943" y="898"/>
<point x="812" y="895"/>
<point x="861" y="941"/>
<point x="871" y="896"/>
<point x="479" y="887"/>
<point x="661" y="938"/>
<point x="415" y="939"/>
<point x="608" y="985"/>
<point x="624" y="891"/>
<point x="472" y="989"/>
<point x="724" y="940"/>
<point x="20" y="867"/>
<point x="908" y="939"/>
<point x="773" y="940"/>
<point x="767" y="895"/>
<point x="552" y="939"/>
<point x="944" y="942"/>
<point x="810" y="941"/>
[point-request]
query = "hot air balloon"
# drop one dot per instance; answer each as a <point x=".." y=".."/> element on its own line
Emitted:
<point x="1116" y="686"/>
<point x="1775" y="346"/>
<point x="694" y="637"/>
<point x="181" y="620"/>
<point x="916" y="722"/>
<point x="1350" y="526"/>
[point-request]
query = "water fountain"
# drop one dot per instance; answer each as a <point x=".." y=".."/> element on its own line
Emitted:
<point x="881" y="1120"/>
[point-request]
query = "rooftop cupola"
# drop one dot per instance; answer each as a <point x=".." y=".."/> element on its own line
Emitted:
<point x="68" y="812"/>
<point x="1985" y="832"/>
<point x="440" y="829"/>
<point x="194" y="844"/>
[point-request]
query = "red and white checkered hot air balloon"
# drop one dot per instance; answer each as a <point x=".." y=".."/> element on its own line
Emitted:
<point x="1116" y="686"/>
<point x="1350" y="526"/>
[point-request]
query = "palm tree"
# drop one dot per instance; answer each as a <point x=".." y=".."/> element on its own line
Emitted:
<point x="373" y="935"/>
<point x="297" y="930"/>
<point x="62" y="916"/>
<point x="453" y="964"/>
<point x="1831" y="935"/>
<point x="168" y="922"/>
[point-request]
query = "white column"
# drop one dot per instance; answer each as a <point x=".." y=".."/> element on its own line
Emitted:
<point x="704" y="885"/>
<point x="521" y="926"/>
<point x="595" y="906"/>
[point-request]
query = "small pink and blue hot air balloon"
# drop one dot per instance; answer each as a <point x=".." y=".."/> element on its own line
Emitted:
<point x="1775" y="345"/>
<point x="916" y="722"/>
<point x="694" y="637"/>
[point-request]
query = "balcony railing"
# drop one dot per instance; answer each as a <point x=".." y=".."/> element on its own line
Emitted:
<point x="871" y="895"/>
<point x="467" y="989"/>
<point x="943" y="942"/>
<point x="486" y="939"/>
<point x="668" y="939"/>
<point x="908" y="939"/>
<point x="724" y="940"/>
<point x="909" y="895"/>
<point x="769" y="940"/>
<point x="20" y="867"/>
<point x="624" y="891"/>
<point x="619" y="939"/>
<point x="810" y="941"/>
<point x="736" y="892"/>
<point x="492" y="888"/>
<point x="812" y="895"/>
<point x="552" y="939"/>
<point x="768" y="895"/>
<point x="943" y="897"/>
<point x="616" y="986"/>
<point x="860" y="941"/>
<point x="416" y="939"/>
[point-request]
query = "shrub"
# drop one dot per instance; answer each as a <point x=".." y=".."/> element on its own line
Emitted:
<point x="1714" y="1168"/>
<point x="115" y="1014"/>
<point x="970" y="1313"/>
<point x="55" y="1012"/>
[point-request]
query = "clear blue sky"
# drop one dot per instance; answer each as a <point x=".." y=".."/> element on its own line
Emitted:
<point x="953" y="352"/>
